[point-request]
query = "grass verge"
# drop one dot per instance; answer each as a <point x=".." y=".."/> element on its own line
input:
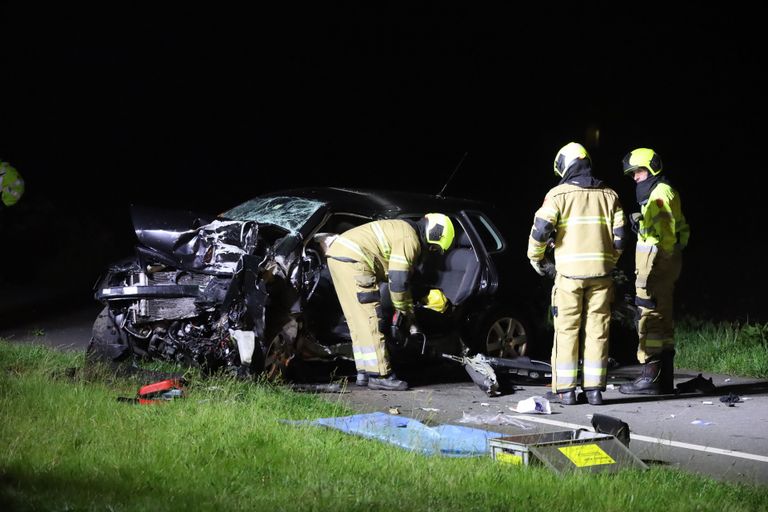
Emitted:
<point x="730" y="348"/>
<point x="69" y="445"/>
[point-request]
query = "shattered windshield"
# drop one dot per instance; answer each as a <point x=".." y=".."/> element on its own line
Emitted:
<point x="287" y="212"/>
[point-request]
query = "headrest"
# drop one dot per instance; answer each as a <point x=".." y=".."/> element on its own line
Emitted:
<point x="462" y="240"/>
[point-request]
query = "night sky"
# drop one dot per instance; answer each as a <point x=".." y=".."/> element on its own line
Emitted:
<point x="202" y="108"/>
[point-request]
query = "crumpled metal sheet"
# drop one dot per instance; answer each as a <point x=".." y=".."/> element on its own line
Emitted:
<point x="218" y="245"/>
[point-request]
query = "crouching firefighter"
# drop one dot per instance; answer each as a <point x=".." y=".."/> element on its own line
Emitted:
<point x="376" y="252"/>
<point x="662" y="234"/>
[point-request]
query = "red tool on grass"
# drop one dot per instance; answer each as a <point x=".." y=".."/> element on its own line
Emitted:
<point x="157" y="392"/>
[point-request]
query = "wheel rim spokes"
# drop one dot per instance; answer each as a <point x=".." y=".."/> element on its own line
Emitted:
<point x="507" y="338"/>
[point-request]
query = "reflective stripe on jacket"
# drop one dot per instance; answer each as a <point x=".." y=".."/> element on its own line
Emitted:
<point x="663" y="224"/>
<point x="588" y="224"/>
<point x="390" y="249"/>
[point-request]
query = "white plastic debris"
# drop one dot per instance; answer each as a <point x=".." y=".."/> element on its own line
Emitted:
<point x="246" y="343"/>
<point x="494" y="419"/>
<point x="533" y="405"/>
<point x="701" y="423"/>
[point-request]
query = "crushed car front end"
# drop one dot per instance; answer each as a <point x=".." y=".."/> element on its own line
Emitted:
<point x="198" y="288"/>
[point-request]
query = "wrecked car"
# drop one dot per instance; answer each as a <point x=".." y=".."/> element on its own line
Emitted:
<point x="249" y="291"/>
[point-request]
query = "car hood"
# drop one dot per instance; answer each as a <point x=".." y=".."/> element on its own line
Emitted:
<point x="193" y="241"/>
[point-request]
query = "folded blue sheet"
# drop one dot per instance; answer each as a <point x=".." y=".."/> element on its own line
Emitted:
<point x="448" y="440"/>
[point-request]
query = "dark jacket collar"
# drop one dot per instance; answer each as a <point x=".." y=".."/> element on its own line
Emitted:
<point x="644" y="188"/>
<point x="580" y="175"/>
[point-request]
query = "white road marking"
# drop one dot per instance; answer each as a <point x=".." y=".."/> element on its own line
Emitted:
<point x="648" y="439"/>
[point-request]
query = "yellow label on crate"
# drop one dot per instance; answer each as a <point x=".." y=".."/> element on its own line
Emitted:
<point x="587" y="455"/>
<point x="509" y="458"/>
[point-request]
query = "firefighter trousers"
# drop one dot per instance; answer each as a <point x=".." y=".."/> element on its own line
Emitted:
<point x="655" y="276"/>
<point x="581" y="309"/>
<point x="358" y="291"/>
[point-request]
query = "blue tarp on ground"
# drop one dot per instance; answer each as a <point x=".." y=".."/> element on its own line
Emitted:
<point x="449" y="440"/>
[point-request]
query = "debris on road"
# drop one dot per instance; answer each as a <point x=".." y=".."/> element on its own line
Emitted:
<point x="533" y="405"/>
<point x="483" y="371"/>
<point x="731" y="400"/>
<point x="613" y="426"/>
<point x="479" y="371"/>
<point x="698" y="383"/>
<point x="494" y="419"/>
<point x="332" y="387"/>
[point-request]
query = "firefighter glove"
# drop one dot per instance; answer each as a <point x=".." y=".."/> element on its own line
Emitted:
<point x="634" y="221"/>
<point x="538" y="267"/>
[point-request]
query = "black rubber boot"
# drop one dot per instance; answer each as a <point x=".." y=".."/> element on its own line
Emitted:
<point x="562" y="397"/>
<point x="362" y="378"/>
<point x="668" y="371"/>
<point x="594" y="397"/>
<point x="387" y="383"/>
<point x="657" y="377"/>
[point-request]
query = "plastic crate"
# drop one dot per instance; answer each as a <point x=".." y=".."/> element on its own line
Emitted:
<point x="565" y="450"/>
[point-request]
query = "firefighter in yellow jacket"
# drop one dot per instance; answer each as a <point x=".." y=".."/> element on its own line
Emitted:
<point x="586" y="221"/>
<point x="363" y="257"/>
<point x="662" y="234"/>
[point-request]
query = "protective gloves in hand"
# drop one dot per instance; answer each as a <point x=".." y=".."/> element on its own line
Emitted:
<point x="537" y="266"/>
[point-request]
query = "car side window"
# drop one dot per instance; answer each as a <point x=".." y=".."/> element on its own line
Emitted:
<point x="341" y="222"/>
<point x="489" y="234"/>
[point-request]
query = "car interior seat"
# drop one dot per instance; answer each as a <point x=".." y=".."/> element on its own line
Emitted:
<point x="459" y="271"/>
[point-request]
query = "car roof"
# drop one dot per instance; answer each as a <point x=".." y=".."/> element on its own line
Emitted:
<point x="387" y="202"/>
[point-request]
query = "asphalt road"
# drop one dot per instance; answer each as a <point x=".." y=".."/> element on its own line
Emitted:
<point x="693" y="432"/>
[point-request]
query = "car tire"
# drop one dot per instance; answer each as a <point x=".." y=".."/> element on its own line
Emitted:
<point x="503" y="332"/>
<point x="105" y="345"/>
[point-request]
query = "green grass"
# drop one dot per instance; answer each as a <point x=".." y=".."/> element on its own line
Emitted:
<point x="730" y="348"/>
<point x="69" y="445"/>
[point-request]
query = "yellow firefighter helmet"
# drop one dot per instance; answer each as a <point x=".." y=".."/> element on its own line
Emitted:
<point x="642" y="157"/>
<point x="567" y="155"/>
<point x="439" y="230"/>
